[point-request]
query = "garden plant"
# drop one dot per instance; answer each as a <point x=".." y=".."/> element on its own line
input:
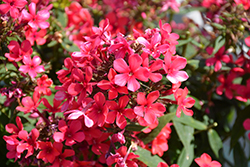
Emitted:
<point x="125" y="83"/>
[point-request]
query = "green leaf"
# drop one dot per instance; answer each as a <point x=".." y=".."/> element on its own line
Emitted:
<point x="200" y="45"/>
<point x="218" y="26"/>
<point x="190" y="9"/>
<point x="219" y="42"/>
<point x="183" y="42"/>
<point x="52" y="43"/>
<point x="184" y="132"/>
<point x="147" y="158"/>
<point x="135" y="127"/>
<point x="62" y="17"/>
<point x="238" y="129"/>
<point x="146" y="138"/>
<point x="239" y="156"/>
<point x="190" y="121"/>
<point x="186" y="157"/>
<point x="214" y="141"/>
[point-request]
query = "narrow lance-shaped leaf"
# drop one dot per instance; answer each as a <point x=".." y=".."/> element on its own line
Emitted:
<point x="147" y="158"/>
<point x="214" y="141"/>
<point x="190" y="121"/>
<point x="146" y="138"/>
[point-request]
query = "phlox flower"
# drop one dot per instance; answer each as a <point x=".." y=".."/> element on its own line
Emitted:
<point x="17" y="52"/>
<point x="11" y="128"/>
<point x="36" y="20"/>
<point x="218" y="57"/>
<point x="111" y="86"/>
<point x="119" y="112"/>
<point x="206" y="161"/>
<point x="130" y="73"/>
<point x="12" y="5"/>
<point x="29" y="141"/>
<point x="36" y="36"/>
<point x="246" y="125"/>
<point x="122" y="158"/>
<point x="48" y="151"/>
<point x="148" y="109"/>
<point x="172" y="66"/>
<point x="71" y="133"/>
<point x="31" y="66"/>
<point x="60" y="159"/>
<point x="29" y="104"/>
<point x="43" y="85"/>
<point x="163" y="164"/>
<point x="183" y="102"/>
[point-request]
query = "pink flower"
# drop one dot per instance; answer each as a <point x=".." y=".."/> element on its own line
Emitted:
<point x="29" y="141"/>
<point x="170" y="3"/>
<point x="111" y="86"/>
<point x="29" y="104"/>
<point x="60" y="159"/>
<point x="172" y="66"/>
<point x="36" y="21"/>
<point x="119" y="112"/>
<point x="56" y="105"/>
<point x="183" y="102"/>
<point x="31" y="66"/>
<point x="71" y="134"/>
<point x="246" y="125"/>
<point x="218" y="57"/>
<point x="33" y="36"/>
<point x="43" y="85"/>
<point x="245" y="3"/>
<point x="12" y="5"/>
<point x="148" y="109"/>
<point x="16" y="52"/>
<point x="163" y="164"/>
<point x="154" y="48"/>
<point x="48" y="151"/>
<point x="122" y="158"/>
<point x="99" y="110"/>
<point x="130" y="73"/>
<point x="206" y="161"/>
<point x="11" y="128"/>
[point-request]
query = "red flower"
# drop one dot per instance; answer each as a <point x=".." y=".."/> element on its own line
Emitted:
<point x="31" y="66"/>
<point x="33" y="36"/>
<point x="99" y="110"/>
<point x="130" y="73"/>
<point x="56" y="105"/>
<point x="218" y="57"/>
<point x="183" y="102"/>
<point x="172" y="66"/>
<point x="11" y="128"/>
<point x="48" y="151"/>
<point x="71" y="134"/>
<point x="122" y="158"/>
<point x="154" y="48"/>
<point x="119" y="112"/>
<point x="60" y="159"/>
<point x="36" y="21"/>
<point x="111" y="86"/>
<point x="160" y="143"/>
<point x="42" y="85"/>
<point x="163" y="164"/>
<point x="84" y="86"/>
<point x="12" y="5"/>
<point x="29" y="104"/>
<point x="16" y="52"/>
<point x="206" y="161"/>
<point x="147" y="108"/>
<point x="246" y="125"/>
<point x="30" y="141"/>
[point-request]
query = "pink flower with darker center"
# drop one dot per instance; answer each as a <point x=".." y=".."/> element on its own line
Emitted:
<point x="12" y="5"/>
<point x="36" y="20"/>
<point x="71" y="133"/>
<point x="130" y="73"/>
<point x="31" y="66"/>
